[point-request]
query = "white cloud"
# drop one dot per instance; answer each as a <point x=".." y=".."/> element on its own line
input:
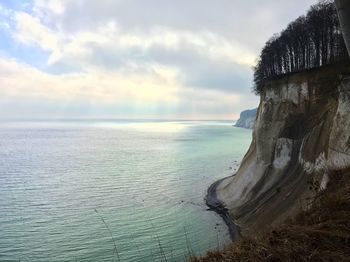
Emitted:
<point x="107" y="61"/>
<point x="42" y="7"/>
<point x="30" y="31"/>
<point x="109" y="48"/>
<point x="156" y="89"/>
<point x="248" y="22"/>
<point x="109" y="36"/>
<point x="97" y="86"/>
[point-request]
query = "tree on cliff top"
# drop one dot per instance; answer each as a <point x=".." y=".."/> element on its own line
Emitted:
<point x="308" y="42"/>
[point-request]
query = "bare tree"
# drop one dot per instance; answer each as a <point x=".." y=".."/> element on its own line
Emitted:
<point x="310" y="41"/>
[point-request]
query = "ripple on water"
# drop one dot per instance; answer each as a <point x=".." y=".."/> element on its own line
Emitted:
<point x="147" y="182"/>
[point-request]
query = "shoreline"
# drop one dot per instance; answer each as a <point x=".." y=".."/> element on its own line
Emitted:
<point x="218" y="206"/>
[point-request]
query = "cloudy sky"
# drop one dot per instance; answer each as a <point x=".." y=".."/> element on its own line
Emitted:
<point x="170" y="59"/>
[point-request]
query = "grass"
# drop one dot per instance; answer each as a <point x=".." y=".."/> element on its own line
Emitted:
<point x="158" y="254"/>
<point x="110" y="233"/>
<point x="320" y="233"/>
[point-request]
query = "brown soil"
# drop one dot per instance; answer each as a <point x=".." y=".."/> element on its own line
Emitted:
<point x="318" y="233"/>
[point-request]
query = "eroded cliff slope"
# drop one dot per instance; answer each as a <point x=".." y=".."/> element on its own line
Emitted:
<point x="302" y="132"/>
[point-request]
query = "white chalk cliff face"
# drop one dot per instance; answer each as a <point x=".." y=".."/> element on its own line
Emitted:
<point x="247" y="119"/>
<point x="302" y="132"/>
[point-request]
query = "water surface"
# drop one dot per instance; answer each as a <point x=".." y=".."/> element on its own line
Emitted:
<point x="99" y="190"/>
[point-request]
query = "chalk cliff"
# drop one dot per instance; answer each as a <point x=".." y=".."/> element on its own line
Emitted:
<point x="301" y="133"/>
<point x="343" y="8"/>
<point x="247" y="119"/>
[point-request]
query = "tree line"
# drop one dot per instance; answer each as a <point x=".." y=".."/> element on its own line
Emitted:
<point x="310" y="41"/>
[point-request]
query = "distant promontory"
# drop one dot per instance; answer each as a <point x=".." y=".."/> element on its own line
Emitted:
<point x="247" y="119"/>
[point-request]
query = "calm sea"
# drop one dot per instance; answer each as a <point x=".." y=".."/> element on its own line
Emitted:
<point x="112" y="190"/>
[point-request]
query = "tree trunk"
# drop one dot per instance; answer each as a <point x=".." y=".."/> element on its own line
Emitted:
<point x="343" y="8"/>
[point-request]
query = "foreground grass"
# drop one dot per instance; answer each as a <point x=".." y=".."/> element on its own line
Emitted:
<point x="321" y="233"/>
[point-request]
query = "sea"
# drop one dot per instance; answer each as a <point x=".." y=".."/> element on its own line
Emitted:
<point x="113" y="190"/>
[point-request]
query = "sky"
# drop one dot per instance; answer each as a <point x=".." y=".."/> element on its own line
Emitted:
<point x="164" y="59"/>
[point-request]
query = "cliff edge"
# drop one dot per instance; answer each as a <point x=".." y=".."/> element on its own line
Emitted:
<point x="302" y="133"/>
<point x="247" y="119"/>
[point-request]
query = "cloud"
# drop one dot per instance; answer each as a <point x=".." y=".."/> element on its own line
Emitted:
<point x="205" y="60"/>
<point x="30" y="31"/>
<point x="97" y="86"/>
<point x="126" y="57"/>
<point x="109" y="36"/>
<point x="250" y="22"/>
<point x="151" y="94"/>
<point x="34" y="91"/>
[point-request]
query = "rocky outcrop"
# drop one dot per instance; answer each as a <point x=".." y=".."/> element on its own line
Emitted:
<point x="301" y="133"/>
<point x="247" y="119"/>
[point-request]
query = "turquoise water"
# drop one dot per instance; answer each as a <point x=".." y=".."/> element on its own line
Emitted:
<point x="110" y="191"/>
